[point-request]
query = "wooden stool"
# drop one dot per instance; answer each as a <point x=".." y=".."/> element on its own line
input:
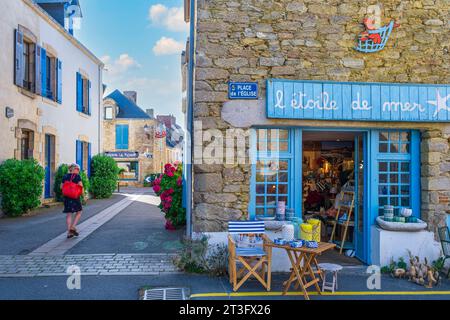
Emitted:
<point x="330" y="267"/>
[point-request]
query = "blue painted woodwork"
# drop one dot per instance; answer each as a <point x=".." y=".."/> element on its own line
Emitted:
<point x="122" y="136"/>
<point x="48" y="172"/>
<point x="317" y="100"/>
<point x="59" y="81"/>
<point x="43" y="63"/>
<point x="19" y="70"/>
<point x="369" y="46"/>
<point x="79" y="154"/>
<point x="79" y="92"/>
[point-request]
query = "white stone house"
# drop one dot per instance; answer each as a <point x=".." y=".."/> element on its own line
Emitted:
<point x="50" y="88"/>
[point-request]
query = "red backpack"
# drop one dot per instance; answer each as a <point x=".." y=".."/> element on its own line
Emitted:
<point x="72" y="190"/>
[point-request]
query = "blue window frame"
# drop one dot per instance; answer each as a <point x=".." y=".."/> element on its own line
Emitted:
<point x="271" y="166"/>
<point x="122" y="132"/>
<point x="397" y="170"/>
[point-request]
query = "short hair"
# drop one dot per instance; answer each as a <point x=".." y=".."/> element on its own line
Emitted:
<point x="74" y="166"/>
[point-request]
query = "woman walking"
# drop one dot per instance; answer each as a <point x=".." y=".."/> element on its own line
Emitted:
<point x="72" y="207"/>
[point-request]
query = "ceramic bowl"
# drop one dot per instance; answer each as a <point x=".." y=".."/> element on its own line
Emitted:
<point x="405" y="212"/>
<point x="280" y="242"/>
<point x="296" y="244"/>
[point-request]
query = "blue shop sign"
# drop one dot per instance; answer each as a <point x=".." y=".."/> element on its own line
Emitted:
<point x="122" y="155"/>
<point x="243" y="90"/>
<point x="315" y="100"/>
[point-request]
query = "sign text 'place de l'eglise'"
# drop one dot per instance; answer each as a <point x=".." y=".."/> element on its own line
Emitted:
<point x="315" y="100"/>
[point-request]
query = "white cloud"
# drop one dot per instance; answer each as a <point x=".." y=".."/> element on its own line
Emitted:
<point x="168" y="46"/>
<point x="119" y="66"/>
<point x="170" y="18"/>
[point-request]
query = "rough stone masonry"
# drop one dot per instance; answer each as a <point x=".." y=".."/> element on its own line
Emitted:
<point x="253" y="40"/>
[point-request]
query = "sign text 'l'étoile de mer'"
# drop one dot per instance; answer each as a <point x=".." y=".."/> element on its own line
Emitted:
<point x="315" y="100"/>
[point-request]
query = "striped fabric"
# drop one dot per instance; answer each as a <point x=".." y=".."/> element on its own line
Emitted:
<point x="246" y="227"/>
<point x="250" y="252"/>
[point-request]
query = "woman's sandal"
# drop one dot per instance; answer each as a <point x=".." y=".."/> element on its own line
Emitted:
<point x="75" y="232"/>
<point x="70" y="235"/>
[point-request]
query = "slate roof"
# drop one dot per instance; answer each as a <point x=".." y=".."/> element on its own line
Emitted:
<point x="127" y="108"/>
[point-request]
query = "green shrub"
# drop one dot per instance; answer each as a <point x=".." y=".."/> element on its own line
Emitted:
<point x="104" y="177"/>
<point x="60" y="173"/>
<point x="21" y="184"/>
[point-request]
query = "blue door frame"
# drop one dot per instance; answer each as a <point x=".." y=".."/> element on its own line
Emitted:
<point x="371" y="177"/>
<point x="48" y="164"/>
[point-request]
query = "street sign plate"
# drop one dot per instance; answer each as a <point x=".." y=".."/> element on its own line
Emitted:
<point x="243" y="90"/>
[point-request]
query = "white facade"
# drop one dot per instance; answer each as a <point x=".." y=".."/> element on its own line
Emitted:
<point x="34" y="112"/>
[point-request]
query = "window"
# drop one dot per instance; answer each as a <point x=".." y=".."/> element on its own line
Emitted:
<point x="26" y="145"/>
<point x="122" y="137"/>
<point x="272" y="174"/>
<point x="394" y="170"/>
<point x="49" y="81"/>
<point x="108" y="113"/>
<point x="83" y="94"/>
<point x="29" y="65"/>
<point x="129" y="171"/>
<point x="83" y="156"/>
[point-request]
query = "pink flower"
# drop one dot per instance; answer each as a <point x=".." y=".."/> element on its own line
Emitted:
<point x="157" y="188"/>
<point x="157" y="182"/>
<point x="170" y="174"/>
<point x="180" y="182"/>
<point x="169" y="199"/>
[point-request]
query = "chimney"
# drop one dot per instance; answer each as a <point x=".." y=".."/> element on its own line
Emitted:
<point x="132" y="95"/>
<point x="150" y="113"/>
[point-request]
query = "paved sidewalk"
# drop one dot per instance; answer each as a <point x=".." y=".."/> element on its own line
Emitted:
<point x="60" y="245"/>
<point x="22" y="235"/>
<point x="101" y="264"/>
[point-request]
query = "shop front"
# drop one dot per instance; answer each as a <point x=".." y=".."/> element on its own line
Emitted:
<point x="307" y="167"/>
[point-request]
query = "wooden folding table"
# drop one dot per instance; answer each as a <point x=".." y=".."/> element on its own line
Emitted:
<point x="302" y="261"/>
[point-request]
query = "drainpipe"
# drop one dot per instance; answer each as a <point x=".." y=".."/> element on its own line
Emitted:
<point x="189" y="122"/>
<point x="100" y="101"/>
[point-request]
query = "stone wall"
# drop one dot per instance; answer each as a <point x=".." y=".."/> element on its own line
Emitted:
<point x="435" y="177"/>
<point x="253" y="40"/>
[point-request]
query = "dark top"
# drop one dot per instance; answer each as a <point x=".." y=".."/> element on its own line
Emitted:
<point x="72" y="205"/>
<point x="76" y="178"/>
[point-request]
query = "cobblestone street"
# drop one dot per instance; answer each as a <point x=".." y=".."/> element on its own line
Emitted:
<point x="90" y="265"/>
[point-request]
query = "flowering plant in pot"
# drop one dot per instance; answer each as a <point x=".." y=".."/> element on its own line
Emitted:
<point x="169" y="187"/>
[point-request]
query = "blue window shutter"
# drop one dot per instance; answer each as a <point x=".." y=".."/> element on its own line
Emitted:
<point x="125" y="137"/>
<point x="89" y="159"/>
<point x="79" y="93"/>
<point x="118" y="137"/>
<point x="44" y="72"/>
<point x="89" y="96"/>
<point x="79" y="154"/>
<point x="18" y="61"/>
<point x="38" y="70"/>
<point x="58" y="81"/>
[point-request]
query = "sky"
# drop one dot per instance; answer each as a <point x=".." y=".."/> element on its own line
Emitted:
<point x="140" y="42"/>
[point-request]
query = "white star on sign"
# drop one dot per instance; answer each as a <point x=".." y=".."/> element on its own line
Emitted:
<point x="440" y="103"/>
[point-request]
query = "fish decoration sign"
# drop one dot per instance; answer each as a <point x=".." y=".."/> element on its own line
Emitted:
<point x="375" y="36"/>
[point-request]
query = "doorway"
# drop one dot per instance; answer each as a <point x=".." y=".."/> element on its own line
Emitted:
<point x="50" y="164"/>
<point x="334" y="184"/>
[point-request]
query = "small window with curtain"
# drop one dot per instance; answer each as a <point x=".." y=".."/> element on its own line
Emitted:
<point x="108" y="113"/>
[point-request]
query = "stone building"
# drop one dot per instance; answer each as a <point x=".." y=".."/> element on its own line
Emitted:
<point x="317" y="80"/>
<point x="50" y="89"/>
<point x="134" y="138"/>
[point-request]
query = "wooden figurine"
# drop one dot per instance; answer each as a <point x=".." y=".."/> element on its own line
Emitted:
<point x="399" y="273"/>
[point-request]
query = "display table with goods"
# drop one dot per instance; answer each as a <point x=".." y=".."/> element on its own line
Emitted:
<point x="303" y="260"/>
